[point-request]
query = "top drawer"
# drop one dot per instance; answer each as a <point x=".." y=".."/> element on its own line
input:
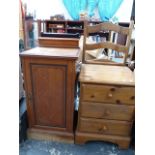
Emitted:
<point x="108" y="94"/>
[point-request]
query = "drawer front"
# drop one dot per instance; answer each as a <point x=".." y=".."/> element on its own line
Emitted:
<point x="108" y="94"/>
<point x="102" y="126"/>
<point x="107" y="111"/>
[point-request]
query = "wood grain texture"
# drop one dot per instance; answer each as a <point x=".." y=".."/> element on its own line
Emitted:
<point x="108" y="45"/>
<point x="83" y="137"/>
<point x="49" y="87"/>
<point x="39" y="22"/>
<point x="108" y="94"/>
<point x="107" y="104"/>
<point x="100" y="61"/>
<point x="103" y="126"/>
<point x="106" y="74"/>
<point x="64" y="53"/>
<point x="107" y="111"/>
<point x="49" y="84"/>
<point x="58" y="42"/>
<point x="37" y="134"/>
<point x="107" y="26"/>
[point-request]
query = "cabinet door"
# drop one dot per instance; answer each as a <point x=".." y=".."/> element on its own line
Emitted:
<point x="48" y="85"/>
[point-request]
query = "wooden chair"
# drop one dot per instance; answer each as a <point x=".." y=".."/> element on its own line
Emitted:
<point x="90" y="49"/>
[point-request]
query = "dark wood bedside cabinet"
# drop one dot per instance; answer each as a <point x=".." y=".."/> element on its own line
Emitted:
<point x="49" y="78"/>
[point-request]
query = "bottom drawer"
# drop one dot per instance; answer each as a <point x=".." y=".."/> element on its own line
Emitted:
<point x="103" y="126"/>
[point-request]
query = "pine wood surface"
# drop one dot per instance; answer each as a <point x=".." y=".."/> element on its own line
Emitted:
<point x="103" y="126"/>
<point x="107" y="111"/>
<point x="107" y="104"/>
<point x="107" y="74"/>
<point x="108" y="94"/>
<point x="83" y="137"/>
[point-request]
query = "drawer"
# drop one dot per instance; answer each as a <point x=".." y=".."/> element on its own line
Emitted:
<point x="107" y="111"/>
<point x="103" y="126"/>
<point x="108" y="94"/>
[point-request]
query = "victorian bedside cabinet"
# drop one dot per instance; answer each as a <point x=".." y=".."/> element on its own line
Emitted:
<point x="49" y="78"/>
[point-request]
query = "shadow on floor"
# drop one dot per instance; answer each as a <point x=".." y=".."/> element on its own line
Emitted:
<point x="36" y="147"/>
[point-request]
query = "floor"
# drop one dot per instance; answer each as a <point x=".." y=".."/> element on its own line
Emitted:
<point x="36" y="147"/>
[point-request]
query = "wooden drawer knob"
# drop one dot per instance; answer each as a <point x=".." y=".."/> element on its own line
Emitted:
<point x="92" y="96"/>
<point x="118" y="101"/>
<point x="107" y="112"/>
<point x="104" y="128"/>
<point x="110" y="95"/>
<point x="112" y="89"/>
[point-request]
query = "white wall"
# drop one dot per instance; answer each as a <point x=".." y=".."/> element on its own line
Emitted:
<point x="46" y="8"/>
<point x="124" y="12"/>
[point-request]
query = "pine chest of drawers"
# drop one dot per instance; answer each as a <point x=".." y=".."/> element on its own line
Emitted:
<point x="106" y="109"/>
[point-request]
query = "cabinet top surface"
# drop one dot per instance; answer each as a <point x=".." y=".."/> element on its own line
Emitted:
<point x="105" y="74"/>
<point x="72" y="53"/>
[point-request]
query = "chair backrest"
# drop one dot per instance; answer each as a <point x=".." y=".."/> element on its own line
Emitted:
<point x="106" y="44"/>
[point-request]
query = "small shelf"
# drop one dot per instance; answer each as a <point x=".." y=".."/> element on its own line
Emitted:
<point x="56" y="28"/>
<point x="56" y="25"/>
<point x="55" y="21"/>
<point x="74" y="29"/>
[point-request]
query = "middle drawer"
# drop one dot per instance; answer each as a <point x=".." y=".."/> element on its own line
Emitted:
<point x="107" y="111"/>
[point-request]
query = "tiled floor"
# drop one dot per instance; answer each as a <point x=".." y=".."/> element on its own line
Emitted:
<point x="35" y="147"/>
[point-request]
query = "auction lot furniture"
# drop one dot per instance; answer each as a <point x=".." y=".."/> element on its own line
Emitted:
<point x="107" y="104"/>
<point x="49" y="78"/>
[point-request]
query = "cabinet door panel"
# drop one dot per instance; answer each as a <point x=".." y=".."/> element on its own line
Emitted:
<point x="49" y="94"/>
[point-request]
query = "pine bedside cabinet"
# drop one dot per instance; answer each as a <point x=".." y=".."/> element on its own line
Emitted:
<point x="106" y="109"/>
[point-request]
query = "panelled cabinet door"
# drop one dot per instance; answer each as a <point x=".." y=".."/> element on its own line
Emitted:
<point x="49" y="81"/>
<point x="48" y="86"/>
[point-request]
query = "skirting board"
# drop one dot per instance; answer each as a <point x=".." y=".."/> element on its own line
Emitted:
<point x="50" y="135"/>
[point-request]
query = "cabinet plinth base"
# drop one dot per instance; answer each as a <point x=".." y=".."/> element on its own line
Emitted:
<point x="122" y="142"/>
<point x="58" y="136"/>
